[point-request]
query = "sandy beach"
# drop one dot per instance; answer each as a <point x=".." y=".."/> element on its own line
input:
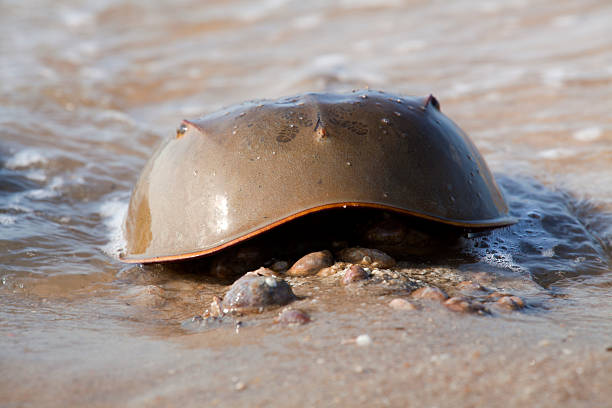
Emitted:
<point x="88" y="90"/>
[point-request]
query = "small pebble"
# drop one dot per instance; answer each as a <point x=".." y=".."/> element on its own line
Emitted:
<point x="367" y="257"/>
<point x="429" y="293"/>
<point x="497" y="295"/>
<point x="311" y="263"/>
<point x="463" y="305"/>
<point x="332" y="270"/>
<point x="216" y="307"/>
<point x="289" y="316"/>
<point x="240" y="386"/>
<point x="387" y="232"/>
<point x="363" y="340"/>
<point x="280" y="266"/>
<point x="402" y="304"/>
<point x="510" y="302"/>
<point x="354" y="273"/>
<point x="257" y="290"/>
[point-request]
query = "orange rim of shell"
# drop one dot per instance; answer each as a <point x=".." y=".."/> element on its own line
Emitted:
<point x="485" y="224"/>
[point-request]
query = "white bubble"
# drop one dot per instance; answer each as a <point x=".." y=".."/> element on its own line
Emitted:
<point x="25" y="158"/>
<point x="557" y="153"/>
<point x="7" y="219"/>
<point x="549" y="252"/>
<point x="77" y="18"/>
<point x="588" y="134"/>
<point x="40" y="194"/>
<point x="270" y="281"/>
<point x="363" y="340"/>
<point x="36" y="175"/>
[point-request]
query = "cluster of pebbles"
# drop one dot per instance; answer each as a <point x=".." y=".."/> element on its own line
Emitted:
<point x="271" y="287"/>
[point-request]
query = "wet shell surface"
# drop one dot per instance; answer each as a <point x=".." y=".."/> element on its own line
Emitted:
<point x="236" y="173"/>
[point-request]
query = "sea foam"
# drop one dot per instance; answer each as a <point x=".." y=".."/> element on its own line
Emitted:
<point x="25" y="158"/>
<point x="113" y="213"/>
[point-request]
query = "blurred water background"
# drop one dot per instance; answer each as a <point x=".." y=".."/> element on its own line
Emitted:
<point x="89" y="88"/>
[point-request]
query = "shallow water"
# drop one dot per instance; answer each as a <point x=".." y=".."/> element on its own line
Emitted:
<point x="89" y="89"/>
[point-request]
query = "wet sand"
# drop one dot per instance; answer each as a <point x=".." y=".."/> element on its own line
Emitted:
<point x="89" y="90"/>
<point x="426" y="357"/>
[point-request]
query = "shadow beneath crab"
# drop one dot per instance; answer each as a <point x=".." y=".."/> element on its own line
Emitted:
<point x="337" y="231"/>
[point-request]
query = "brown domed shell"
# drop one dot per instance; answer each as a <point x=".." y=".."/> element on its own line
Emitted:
<point x="246" y="169"/>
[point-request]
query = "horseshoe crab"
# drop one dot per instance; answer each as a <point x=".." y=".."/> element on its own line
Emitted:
<point x="244" y="170"/>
